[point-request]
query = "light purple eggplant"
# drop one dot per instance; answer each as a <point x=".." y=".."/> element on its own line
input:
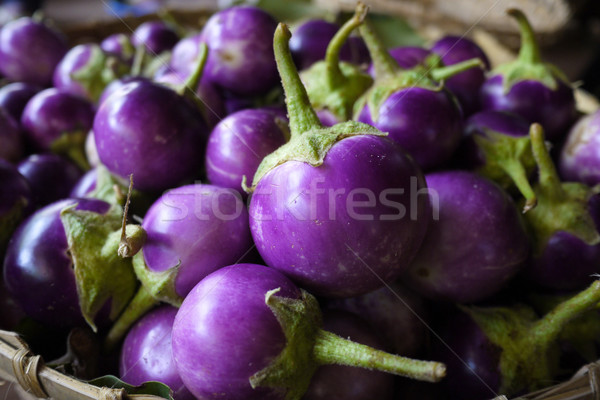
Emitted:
<point x="14" y="97"/>
<point x="29" y="51"/>
<point x="501" y="350"/>
<point x="240" y="58"/>
<point x="410" y="104"/>
<point x="476" y="243"/>
<point x="303" y="213"/>
<point x="156" y="36"/>
<point x="11" y="138"/>
<point x="535" y="90"/>
<point x="119" y="45"/>
<point x="238" y="144"/>
<point x="579" y="156"/>
<point x="337" y="382"/>
<point x="146" y="353"/>
<point x="311" y="38"/>
<point x="565" y="227"/>
<point x="50" y="177"/>
<point x="59" y="122"/>
<point x="150" y="131"/>
<point x="191" y="231"/>
<point x="466" y="85"/>
<point x="276" y="338"/>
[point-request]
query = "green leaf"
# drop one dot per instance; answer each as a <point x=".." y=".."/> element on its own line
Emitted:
<point x="150" y="388"/>
<point x="100" y="273"/>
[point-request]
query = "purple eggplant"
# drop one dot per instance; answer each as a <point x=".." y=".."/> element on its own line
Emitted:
<point x="336" y="382"/>
<point x="155" y="36"/>
<point x="11" y="138"/>
<point x="535" y="90"/>
<point x="191" y="231"/>
<point x="395" y="312"/>
<point x="497" y="145"/>
<point x="238" y="144"/>
<point x="11" y="314"/>
<point x="500" y="350"/>
<point x="466" y="85"/>
<point x="329" y="208"/>
<point x="59" y="122"/>
<point x="115" y="85"/>
<point x="335" y="86"/>
<point x="146" y="354"/>
<point x="150" y="131"/>
<point x="86" y="70"/>
<point x="416" y="111"/>
<point x="50" y="177"/>
<point x="276" y="338"/>
<point x="579" y="157"/>
<point x="119" y="45"/>
<point x="310" y="40"/>
<point x="474" y="246"/>
<point x="185" y="53"/>
<point x="16" y="201"/>
<point x="565" y="226"/>
<point x="14" y="97"/>
<point x="38" y="268"/>
<point x="85" y="185"/>
<point x="241" y="52"/>
<point x="407" y="57"/>
<point x="29" y="51"/>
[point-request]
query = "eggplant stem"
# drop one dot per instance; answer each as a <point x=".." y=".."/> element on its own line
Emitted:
<point x="530" y="50"/>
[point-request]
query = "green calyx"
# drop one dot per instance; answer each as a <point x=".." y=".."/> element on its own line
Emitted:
<point x="100" y="273"/>
<point x="72" y="145"/>
<point x="99" y="71"/>
<point x="308" y="347"/>
<point x="160" y="285"/>
<point x="309" y="140"/>
<point x="292" y="370"/>
<point x="529" y="64"/>
<point x="561" y="206"/>
<point x="509" y="162"/>
<point x="391" y="78"/>
<point x="529" y="356"/>
<point x="335" y="85"/>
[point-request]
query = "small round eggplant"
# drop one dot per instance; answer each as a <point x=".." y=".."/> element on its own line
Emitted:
<point x="146" y="354"/>
<point x="535" y="90"/>
<point x="580" y="155"/>
<point x="119" y="45"/>
<point x="238" y="144"/>
<point x="29" y="51"/>
<point x="475" y="244"/>
<point x="156" y="36"/>
<point x="241" y="52"/>
<point x="16" y="201"/>
<point x="15" y="96"/>
<point x="50" y="177"/>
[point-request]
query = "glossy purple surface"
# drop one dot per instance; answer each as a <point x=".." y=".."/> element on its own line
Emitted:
<point x="426" y="123"/>
<point x="474" y="246"/>
<point x="52" y="113"/>
<point x="118" y="84"/>
<point x="14" y="97"/>
<point x="241" y="57"/>
<point x="150" y="131"/>
<point x="309" y="44"/>
<point x="580" y="155"/>
<point x="396" y="314"/>
<point x="50" y="177"/>
<point x="156" y="36"/>
<point x="185" y="53"/>
<point x="29" y="51"/>
<point x="470" y="358"/>
<point x="501" y="122"/>
<point x="146" y="354"/>
<point x="238" y="144"/>
<point x="201" y="227"/>
<point x="66" y="70"/>
<point x="85" y="184"/>
<point x="336" y="382"/>
<point x="226" y="315"/>
<point x="535" y="102"/>
<point x="116" y="45"/>
<point x="37" y="263"/>
<point x="406" y="56"/>
<point x="466" y="85"/>
<point x="11" y="140"/>
<point x="341" y="228"/>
